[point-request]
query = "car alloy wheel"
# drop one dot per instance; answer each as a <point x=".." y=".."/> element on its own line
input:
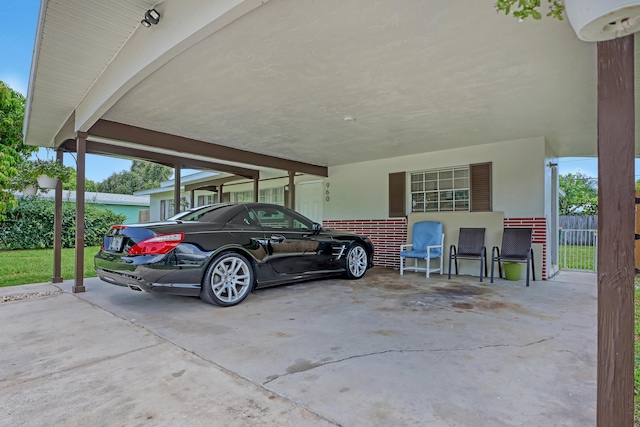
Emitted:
<point x="356" y="261"/>
<point x="228" y="281"/>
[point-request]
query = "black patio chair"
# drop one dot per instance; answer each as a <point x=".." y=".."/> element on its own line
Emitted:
<point x="516" y="247"/>
<point x="470" y="246"/>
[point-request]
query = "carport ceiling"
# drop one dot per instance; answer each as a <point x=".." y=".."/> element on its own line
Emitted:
<point x="415" y="76"/>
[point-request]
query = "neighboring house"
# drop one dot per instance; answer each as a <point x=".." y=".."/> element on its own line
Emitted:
<point x="203" y="188"/>
<point x="125" y="204"/>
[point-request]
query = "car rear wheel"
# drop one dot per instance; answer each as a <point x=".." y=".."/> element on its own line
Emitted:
<point x="357" y="261"/>
<point x="228" y="280"/>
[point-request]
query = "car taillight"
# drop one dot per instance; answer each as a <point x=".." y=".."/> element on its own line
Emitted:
<point x="157" y="245"/>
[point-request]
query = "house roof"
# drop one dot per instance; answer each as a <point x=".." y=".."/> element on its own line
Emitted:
<point x="101" y="198"/>
<point x="325" y="83"/>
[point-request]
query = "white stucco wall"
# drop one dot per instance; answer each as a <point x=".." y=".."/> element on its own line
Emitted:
<point x="360" y="191"/>
<point x="521" y="180"/>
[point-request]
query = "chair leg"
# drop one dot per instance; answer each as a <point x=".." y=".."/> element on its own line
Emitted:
<point x="450" y="257"/>
<point x="427" y="260"/>
<point x="492" y="267"/>
<point x="528" y="263"/>
<point x="533" y="266"/>
<point x="481" y="267"/>
<point x="401" y="268"/>
<point x="495" y="251"/>
<point x="484" y="252"/>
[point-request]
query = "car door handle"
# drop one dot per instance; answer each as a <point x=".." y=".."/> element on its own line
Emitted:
<point x="277" y="238"/>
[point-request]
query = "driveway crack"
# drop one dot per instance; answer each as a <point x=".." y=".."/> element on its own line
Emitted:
<point x="376" y="353"/>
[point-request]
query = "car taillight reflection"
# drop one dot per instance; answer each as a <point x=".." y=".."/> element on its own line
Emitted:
<point x="157" y="245"/>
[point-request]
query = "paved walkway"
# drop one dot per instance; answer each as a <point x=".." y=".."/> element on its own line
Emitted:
<point x="382" y="351"/>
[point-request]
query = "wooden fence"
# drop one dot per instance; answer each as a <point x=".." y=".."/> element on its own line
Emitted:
<point x="579" y="222"/>
<point x="578" y="230"/>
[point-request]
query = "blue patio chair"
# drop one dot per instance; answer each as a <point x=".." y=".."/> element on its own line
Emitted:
<point x="426" y="244"/>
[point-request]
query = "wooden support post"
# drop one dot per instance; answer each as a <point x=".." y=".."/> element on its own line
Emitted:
<point x="291" y="203"/>
<point x="220" y="193"/>
<point x="616" y="132"/>
<point x="176" y="189"/>
<point x="193" y="199"/>
<point x="81" y="150"/>
<point x="57" y="228"/>
<point x="256" y="190"/>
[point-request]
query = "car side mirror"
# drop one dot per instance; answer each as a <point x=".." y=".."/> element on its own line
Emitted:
<point x="316" y="227"/>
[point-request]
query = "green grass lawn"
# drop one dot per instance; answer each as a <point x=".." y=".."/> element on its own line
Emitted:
<point x="23" y="267"/>
<point x="577" y="257"/>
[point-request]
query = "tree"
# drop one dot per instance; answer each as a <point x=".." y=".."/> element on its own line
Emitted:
<point x="580" y="195"/>
<point x="12" y="148"/>
<point x="89" y="185"/>
<point x="142" y="176"/>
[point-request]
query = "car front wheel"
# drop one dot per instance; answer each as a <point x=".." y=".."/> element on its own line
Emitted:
<point x="228" y="280"/>
<point x="357" y="261"/>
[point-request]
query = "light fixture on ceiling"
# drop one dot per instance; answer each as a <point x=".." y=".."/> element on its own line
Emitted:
<point x="151" y="16"/>
<point x="349" y="119"/>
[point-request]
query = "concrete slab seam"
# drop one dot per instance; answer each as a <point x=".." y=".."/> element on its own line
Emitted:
<point x="80" y="366"/>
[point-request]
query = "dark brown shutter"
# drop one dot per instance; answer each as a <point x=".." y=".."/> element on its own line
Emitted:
<point x="481" y="200"/>
<point x="397" y="205"/>
<point x="163" y="210"/>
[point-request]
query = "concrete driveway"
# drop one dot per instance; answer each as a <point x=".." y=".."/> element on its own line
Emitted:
<point x="382" y="351"/>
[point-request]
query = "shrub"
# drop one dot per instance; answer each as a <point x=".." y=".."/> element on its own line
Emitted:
<point x="29" y="225"/>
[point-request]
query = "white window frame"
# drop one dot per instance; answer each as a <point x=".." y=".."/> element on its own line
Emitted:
<point x="273" y="195"/>
<point x="207" y="199"/>
<point x="168" y="208"/>
<point x="437" y="190"/>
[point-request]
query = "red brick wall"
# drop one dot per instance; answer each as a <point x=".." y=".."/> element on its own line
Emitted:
<point x="386" y="234"/>
<point x="539" y="226"/>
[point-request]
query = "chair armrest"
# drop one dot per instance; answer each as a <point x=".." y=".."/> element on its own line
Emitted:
<point x="493" y="252"/>
<point x="432" y="247"/>
<point x="407" y="246"/>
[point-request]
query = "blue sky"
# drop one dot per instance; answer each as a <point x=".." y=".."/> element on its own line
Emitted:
<point x="18" y="22"/>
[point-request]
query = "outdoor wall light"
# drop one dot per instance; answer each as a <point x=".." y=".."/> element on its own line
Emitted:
<point x="151" y="16"/>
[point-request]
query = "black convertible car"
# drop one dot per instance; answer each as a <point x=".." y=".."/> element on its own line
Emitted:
<point x="223" y="251"/>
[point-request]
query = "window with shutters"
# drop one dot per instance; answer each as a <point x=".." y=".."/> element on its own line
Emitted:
<point x="454" y="189"/>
